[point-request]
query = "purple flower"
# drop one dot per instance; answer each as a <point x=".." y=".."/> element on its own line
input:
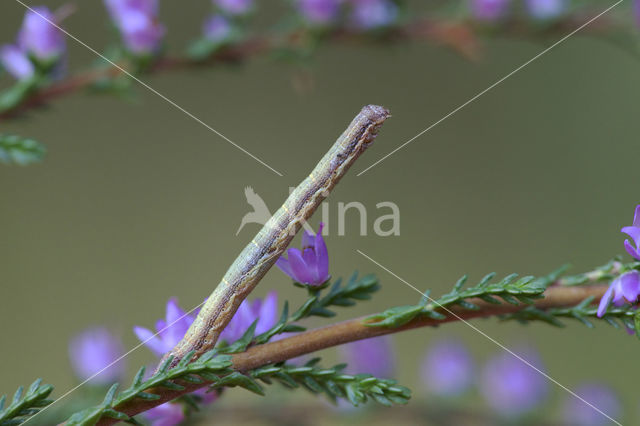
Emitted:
<point x="625" y="288"/>
<point x="511" y="387"/>
<point x="319" y="12"/>
<point x="373" y="356"/>
<point x="234" y="7"/>
<point x="93" y="350"/>
<point x="489" y="10"/>
<point x="16" y="62"/>
<point x="311" y="265"/>
<point x="266" y="312"/>
<point x="634" y="232"/>
<point x="167" y="414"/>
<point x="447" y="369"/>
<point x="372" y="14"/>
<point x="170" y="330"/>
<point x="137" y="21"/>
<point x="546" y="9"/>
<point x="39" y="36"/>
<point x="216" y="29"/>
<point x="578" y="413"/>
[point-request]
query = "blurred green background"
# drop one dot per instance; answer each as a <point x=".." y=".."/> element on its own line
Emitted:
<point x="135" y="202"/>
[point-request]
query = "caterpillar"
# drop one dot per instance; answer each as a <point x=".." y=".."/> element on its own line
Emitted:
<point x="272" y="240"/>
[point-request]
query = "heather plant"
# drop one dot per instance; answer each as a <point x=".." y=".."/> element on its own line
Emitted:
<point x="265" y="342"/>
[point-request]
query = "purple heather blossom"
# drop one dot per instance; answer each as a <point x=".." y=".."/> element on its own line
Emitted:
<point x="265" y="311"/>
<point x="578" y="413"/>
<point x="511" y="387"/>
<point x="372" y="14"/>
<point x="319" y="12"/>
<point x="447" y="369"/>
<point x="234" y="7"/>
<point x="167" y="414"/>
<point x="93" y="350"/>
<point x="634" y="232"/>
<point x="39" y="36"/>
<point x="311" y="265"/>
<point x="16" y="62"/>
<point x="625" y="288"/>
<point x="373" y="356"/>
<point x="489" y="10"/>
<point x="170" y="330"/>
<point x="137" y="21"/>
<point x="546" y="9"/>
<point x="216" y="28"/>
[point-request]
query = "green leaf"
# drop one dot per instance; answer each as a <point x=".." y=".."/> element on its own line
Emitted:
<point x="24" y="404"/>
<point x="12" y="97"/>
<point x="21" y="151"/>
<point x="242" y="343"/>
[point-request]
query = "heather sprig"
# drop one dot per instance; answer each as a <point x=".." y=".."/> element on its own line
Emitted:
<point x="228" y="34"/>
<point x="510" y="289"/>
<point x="209" y="366"/>
<point x="334" y="383"/>
<point x="214" y="370"/>
<point x="319" y="304"/>
<point x="24" y="405"/>
<point x="585" y="312"/>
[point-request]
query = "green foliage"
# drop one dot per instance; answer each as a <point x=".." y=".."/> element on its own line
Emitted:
<point x="335" y="384"/>
<point x="15" y="95"/>
<point x="202" y="49"/>
<point x="215" y="367"/>
<point x="356" y="289"/>
<point x="207" y="367"/>
<point x="510" y="289"/>
<point x="583" y="312"/>
<point x="24" y="405"/>
<point x="17" y="150"/>
<point x="605" y="272"/>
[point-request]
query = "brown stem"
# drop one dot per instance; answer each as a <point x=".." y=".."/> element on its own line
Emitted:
<point x="461" y="36"/>
<point x="352" y="330"/>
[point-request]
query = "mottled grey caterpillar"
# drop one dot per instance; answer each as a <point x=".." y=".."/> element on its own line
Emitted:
<point x="272" y="240"/>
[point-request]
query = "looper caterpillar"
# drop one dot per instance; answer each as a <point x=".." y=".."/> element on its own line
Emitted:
<point x="272" y="240"/>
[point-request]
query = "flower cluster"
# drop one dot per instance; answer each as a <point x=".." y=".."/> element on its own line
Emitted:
<point x="264" y="311"/>
<point x="633" y="231"/>
<point x="495" y="10"/>
<point x="510" y="387"/>
<point x="623" y="289"/>
<point x="362" y="14"/>
<point x="311" y="264"/>
<point x="40" y="45"/>
<point x="138" y="24"/>
<point x="626" y="287"/>
<point x="169" y="331"/>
